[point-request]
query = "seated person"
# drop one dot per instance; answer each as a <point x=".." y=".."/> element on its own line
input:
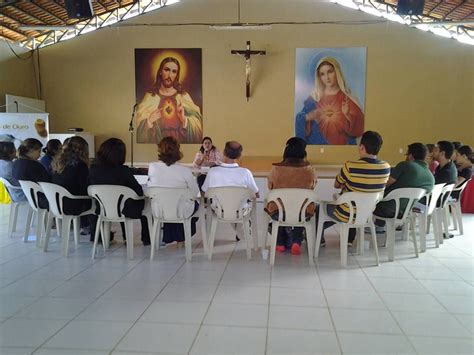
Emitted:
<point x="166" y="173"/>
<point x="207" y="156"/>
<point x="27" y="167"/>
<point x="413" y="172"/>
<point x="71" y="170"/>
<point x="293" y="172"/>
<point x="446" y="172"/>
<point x="109" y="169"/>
<point x="464" y="158"/>
<point x="53" y="148"/>
<point x="432" y="164"/>
<point x="7" y="154"/>
<point x="368" y="174"/>
<point x="229" y="173"/>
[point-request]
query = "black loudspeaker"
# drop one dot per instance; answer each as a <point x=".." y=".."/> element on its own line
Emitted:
<point x="410" y="7"/>
<point x="79" y="9"/>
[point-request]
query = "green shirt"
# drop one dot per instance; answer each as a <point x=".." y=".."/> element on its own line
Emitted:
<point x="407" y="174"/>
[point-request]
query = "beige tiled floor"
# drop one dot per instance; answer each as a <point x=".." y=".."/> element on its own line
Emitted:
<point x="55" y="305"/>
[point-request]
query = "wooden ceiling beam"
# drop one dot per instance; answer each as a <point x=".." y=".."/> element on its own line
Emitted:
<point x="452" y="10"/>
<point x="16" y="8"/>
<point x="47" y="11"/>
<point x="18" y="32"/>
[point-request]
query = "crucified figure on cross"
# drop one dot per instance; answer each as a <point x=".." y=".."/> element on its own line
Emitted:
<point x="247" y="53"/>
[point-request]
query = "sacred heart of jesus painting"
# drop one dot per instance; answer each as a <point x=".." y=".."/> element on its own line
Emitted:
<point x="168" y="86"/>
<point x="330" y="95"/>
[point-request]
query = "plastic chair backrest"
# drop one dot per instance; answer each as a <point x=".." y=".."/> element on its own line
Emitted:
<point x="461" y="187"/>
<point x="447" y="189"/>
<point x="230" y="202"/>
<point x="111" y="199"/>
<point x="169" y="203"/>
<point x="410" y="194"/>
<point x="55" y="195"/>
<point x="432" y="198"/>
<point x="292" y="204"/>
<point x="364" y="203"/>
<point x="31" y="190"/>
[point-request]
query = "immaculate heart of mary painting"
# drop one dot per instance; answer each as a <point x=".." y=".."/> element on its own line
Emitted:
<point x="168" y="86"/>
<point x="330" y="95"/>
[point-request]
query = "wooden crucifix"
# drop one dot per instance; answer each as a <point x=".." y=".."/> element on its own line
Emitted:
<point x="247" y="53"/>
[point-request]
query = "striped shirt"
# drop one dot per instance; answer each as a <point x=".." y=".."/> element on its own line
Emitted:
<point x="363" y="175"/>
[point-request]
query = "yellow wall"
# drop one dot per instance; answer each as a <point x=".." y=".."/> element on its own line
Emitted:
<point x="16" y="75"/>
<point x="419" y="86"/>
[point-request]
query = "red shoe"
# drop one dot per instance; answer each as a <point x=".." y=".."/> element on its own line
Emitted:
<point x="295" y="249"/>
<point x="280" y="248"/>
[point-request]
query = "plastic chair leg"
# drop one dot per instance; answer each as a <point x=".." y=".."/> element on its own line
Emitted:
<point x="374" y="243"/>
<point x="319" y="234"/>
<point x="203" y="225"/>
<point x="310" y="242"/>
<point x="65" y="233"/>
<point x="390" y="227"/>
<point x="212" y="236"/>
<point x="457" y="207"/>
<point x="413" y="236"/>
<point x="129" y="236"/>
<point x="360" y="237"/>
<point x="187" y="239"/>
<point x="49" y="223"/>
<point x="29" y="217"/>
<point x="75" y="225"/>
<point x="344" y="236"/>
<point x="254" y="226"/>
<point x="39" y="227"/>
<point x="13" y="218"/>
<point x="422" y="227"/>
<point x="453" y="215"/>
<point x="153" y="235"/>
<point x="106" y="235"/>
<point x="98" y="229"/>
<point x="275" y="226"/>
<point x="248" y="237"/>
<point x="58" y="227"/>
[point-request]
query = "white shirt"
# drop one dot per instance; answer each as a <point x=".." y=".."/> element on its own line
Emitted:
<point x="176" y="175"/>
<point x="229" y="175"/>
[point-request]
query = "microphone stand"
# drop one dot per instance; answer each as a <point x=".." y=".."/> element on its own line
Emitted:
<point x="132" y="131"/>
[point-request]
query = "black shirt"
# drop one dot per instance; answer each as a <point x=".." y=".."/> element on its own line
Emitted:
<point x="447" y="174"/>
<point x="30" y="170"/>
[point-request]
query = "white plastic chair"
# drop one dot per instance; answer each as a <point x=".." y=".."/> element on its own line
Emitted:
<point x="14" y="205"/>
<point x="361" y="202"/>
<point x="111" y="199"/>
<point x="230" y="204"/>
<point x="292" y="204"/>
<point x="427" y="215"/>
<point x="442" y="211"/>
<point x="455" y="206"/>
<point x="31" y="190"/>
<point x="169" y="205"/>
<point x="410" y="195"/>
<point x="55" y="195"/>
